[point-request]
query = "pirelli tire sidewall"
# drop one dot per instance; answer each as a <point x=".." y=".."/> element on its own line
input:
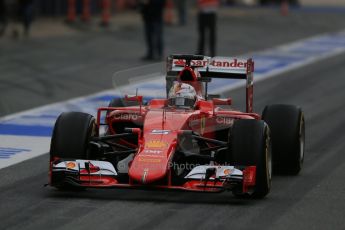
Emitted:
<point x="71" y="135"/>
<point x="251" y="146"/>
<point x="287" y="127"/>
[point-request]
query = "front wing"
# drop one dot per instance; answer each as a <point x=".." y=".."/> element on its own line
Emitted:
<point x="102" y="174"/>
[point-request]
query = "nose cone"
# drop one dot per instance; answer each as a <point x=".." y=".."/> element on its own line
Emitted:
<point x="151" y="163"/>
<point x="147" y="169"/>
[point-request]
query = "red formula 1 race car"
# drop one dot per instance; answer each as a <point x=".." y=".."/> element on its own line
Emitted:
<point x="187" y="141"/>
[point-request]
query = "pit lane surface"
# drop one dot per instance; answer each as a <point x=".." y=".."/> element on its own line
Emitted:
<point x="315" y="199"/>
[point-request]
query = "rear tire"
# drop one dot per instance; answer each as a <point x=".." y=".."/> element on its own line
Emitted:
<point x="251" y="146"/>
<point x="287" y="126"/>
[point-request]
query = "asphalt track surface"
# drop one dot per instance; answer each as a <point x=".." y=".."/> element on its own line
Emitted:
<point x="313" y="200"/>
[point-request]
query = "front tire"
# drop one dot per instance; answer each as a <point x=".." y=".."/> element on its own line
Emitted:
<point x="70" y="140"/>
<point x="71" y="135"/>
<point x="251" y="146"/>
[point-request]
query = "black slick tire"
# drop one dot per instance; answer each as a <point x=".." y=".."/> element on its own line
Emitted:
<point x="287" y="127"/>
<point x="71" y="135"/>
<point x="251" y="146"/>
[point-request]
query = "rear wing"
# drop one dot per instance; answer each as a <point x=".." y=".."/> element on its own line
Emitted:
<point x="216" y="67"/>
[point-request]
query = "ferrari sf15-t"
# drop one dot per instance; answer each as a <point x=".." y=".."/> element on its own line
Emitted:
<point x="189" y="140"/>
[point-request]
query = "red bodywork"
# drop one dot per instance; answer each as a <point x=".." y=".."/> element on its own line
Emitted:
<point x="158" y="129"/>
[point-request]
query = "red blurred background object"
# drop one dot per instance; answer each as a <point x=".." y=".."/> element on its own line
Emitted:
<point x="106" y="12"/>
<point x="71" y="11"/>
<point x="86" y="14"/>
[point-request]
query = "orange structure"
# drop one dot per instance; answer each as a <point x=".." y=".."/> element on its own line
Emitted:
<point x="106" y="12"/>
<point x="284" y="8"/>
<point x="169" y="13"/>
<point x="71" y="11"/>
<point x="120" y="5"/>
<point x="86" y="14"/>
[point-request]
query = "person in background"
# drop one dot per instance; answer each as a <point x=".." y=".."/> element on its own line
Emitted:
<point x="207" y="20"/>
<point x="181" y="7"/>
<point x="3" y="17"/>
<point x="152" y="13"/>
<point x="26" y="14"/>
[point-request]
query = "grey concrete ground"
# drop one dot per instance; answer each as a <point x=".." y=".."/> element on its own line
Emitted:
<point x="36" y="72"/>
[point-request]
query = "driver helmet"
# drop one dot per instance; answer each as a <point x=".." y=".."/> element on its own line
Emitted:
<point x="182" y="95"/>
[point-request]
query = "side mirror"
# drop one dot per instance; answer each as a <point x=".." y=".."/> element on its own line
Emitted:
<point x="134" y="98"/>
<point x="222" y="101"/>
<point x="206" y="107"/>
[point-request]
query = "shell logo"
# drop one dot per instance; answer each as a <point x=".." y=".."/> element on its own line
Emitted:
<point x="156" y="144"/>
<point x="227" y="171"/>
<point x="149" y="160"/>
<point x="70" y="165"/>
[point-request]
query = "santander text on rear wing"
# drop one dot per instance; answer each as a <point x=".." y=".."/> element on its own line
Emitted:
<point x="216" y="67"/>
